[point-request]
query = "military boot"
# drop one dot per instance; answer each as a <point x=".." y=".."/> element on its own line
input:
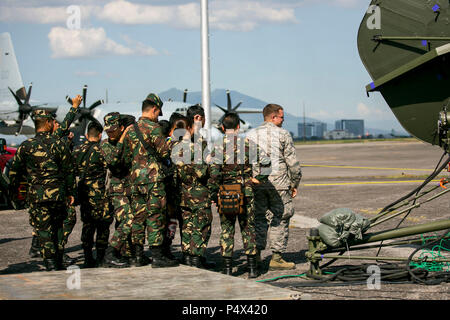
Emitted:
<point x="277" y="263"/>
<point x="141" y="258"/>
<point x="207" y="264"/>
<point x="113" y="259"/>
<point x="186" y="258"/>
<point x="59" y="258"/>
<point x="161" y="261"/>
<point x="227" y="266"/>
<point x="89" y="261"/>
<point x="168" y="253"/>
<point x="50" y="264"/>
<point x="100" y="259"/>
<point x="196" y="262"/>
<point x="35" y="249"/>
<point x="252" y="267"/>
<point x="258" y="258"/>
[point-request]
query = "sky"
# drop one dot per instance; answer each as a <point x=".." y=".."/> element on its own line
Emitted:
<point x="301" y="54"/>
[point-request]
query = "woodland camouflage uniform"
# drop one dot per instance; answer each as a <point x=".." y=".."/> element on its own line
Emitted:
<point x="47" y="164"/>
<point x="61" y="133"/>
<point x="191" y="178"/>
<point x="230" y="166"/>
<point x="94" y="205"/>
<point x="148" y="200"/>
<point x="70" y="221"/>
<point x="119" y="190"/>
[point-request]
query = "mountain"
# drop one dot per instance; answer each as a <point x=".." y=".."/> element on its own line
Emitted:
<point x="219" y="97"/>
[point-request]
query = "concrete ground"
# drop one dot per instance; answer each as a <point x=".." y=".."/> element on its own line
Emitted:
<point x="364" y="177"/>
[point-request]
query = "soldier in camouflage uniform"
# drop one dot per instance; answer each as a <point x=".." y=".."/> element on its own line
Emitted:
<point x="94" y="206"/>
<point x="62" y="132"/>
<point x="191" y="178"/>
<point x="231" y="164"/>
<point x="47" y="164"/>
<point x="148" y="190"/>
<point x="119" y="193"/>
<point x="274" y="207"/>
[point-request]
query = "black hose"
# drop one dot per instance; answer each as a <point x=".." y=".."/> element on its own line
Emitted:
<point x="427" y="180"/>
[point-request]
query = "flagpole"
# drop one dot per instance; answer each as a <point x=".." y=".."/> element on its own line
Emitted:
<point x="206" y="95"/>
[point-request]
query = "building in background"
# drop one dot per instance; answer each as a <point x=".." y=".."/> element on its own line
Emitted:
<point x="356" y="127"/>
<point x="308" y="130"/>
<point x="338" y="134"/>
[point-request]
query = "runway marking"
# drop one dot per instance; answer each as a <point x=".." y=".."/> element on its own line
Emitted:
<point x="369" y="168"/>
<point x="362" y="183"/>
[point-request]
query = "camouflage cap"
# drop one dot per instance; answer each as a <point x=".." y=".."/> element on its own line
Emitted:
<point x="112" y="121"/>
<point x="156" y="100"/>
<point x="42" y="114"/>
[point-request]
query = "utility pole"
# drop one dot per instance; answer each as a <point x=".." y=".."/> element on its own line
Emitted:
<point x="304" y="122"/>
<point x="206" y="94"/>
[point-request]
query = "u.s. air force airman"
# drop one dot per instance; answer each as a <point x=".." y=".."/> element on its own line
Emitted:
<point x="47" y="164"/>
<point x="274" y="207"/>
<point x="94" y="206"/>
<point x="144" y="147"/>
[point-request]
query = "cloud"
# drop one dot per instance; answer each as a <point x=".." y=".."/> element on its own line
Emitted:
<point x="367" y="112"/>
<point x="243" y="15"/>
<point x="247" y="15"/>
<point x="224" y="15"/>
<point x="86" y="73"/>
<point x="42" y="14"/>
<point x="66" y="43"/>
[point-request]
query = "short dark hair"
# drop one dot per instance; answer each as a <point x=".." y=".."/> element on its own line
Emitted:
<point x="146" y="104"/>
<point x="271" y="109"/>
<point x="40" y="123"/>
<point x="194" y="110"/>
<point x="231" y="121"/>
<point x="94" y="129"/>
<point x="174" y="117"/>
<point x="165" y="127"/>
<point x="182" y="124"/>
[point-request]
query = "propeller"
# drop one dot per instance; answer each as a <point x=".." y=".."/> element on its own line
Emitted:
<point x="25" y="109"/>
<point x="230" y="108"/>
<point x="85" y="114"/>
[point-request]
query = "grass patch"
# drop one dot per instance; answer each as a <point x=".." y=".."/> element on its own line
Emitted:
<point x="355" y="141"/>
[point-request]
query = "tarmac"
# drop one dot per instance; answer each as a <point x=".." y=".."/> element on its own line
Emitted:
<point x="364" y="177"/>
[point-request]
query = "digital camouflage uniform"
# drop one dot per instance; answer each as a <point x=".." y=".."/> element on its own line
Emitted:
<point x="191" y="178"/>
<point x="230" y="165"/>
<point x="47" y="164"/>
<point x="119" y="191"/>
<point x="94" y="206"/>
<point x="274" y="207"/>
